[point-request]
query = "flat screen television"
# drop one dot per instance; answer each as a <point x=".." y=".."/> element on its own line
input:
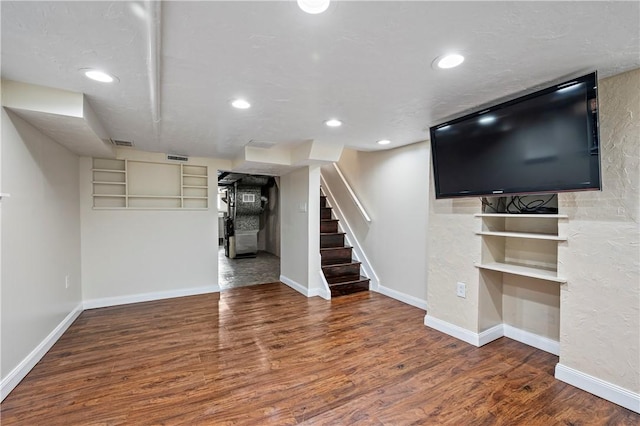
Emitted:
<point x="544" y="142"/>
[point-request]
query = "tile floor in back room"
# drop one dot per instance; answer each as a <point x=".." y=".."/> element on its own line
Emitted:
<point x="233" y="273"/>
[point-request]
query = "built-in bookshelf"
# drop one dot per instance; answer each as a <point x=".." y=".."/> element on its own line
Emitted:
<point x="128" y="184"/>
<point x="521" y="244"/>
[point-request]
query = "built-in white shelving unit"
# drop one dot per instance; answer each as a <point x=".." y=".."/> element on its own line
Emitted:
<point x="521" y="244"/>
<point x="128" y="184"/>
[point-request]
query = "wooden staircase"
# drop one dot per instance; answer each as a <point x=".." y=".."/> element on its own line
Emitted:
<point x="340" y="270"/>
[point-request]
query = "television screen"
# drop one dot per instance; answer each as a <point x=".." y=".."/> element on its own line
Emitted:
<point x="543" y="142"/>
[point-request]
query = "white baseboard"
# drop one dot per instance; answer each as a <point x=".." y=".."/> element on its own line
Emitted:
<point x="295" y="285"/>
<point x="452" y="330"/>
<point x="609" y="391"/>
<point x="16" y="375"/>
<point x="531" y="339"/>
<point x="495" y="332"/>
<point x="488" y="336"/>
<point x="147" y="297"/>
<point x="304" y="290"/>
<point x="402" y="297"/>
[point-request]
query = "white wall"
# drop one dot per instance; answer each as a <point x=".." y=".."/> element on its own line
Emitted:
<point x="40" y="239"/>
<point x="392" y="186"/>
<point x="300" y="230"/>
<point x="600" y="305"/>
<point x="134" y="255"/>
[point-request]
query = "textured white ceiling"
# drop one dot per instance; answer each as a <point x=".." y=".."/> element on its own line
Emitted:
<point x="367" y="63"/>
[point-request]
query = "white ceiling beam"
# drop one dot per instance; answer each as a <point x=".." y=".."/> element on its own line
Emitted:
<point x="154" y="50"/>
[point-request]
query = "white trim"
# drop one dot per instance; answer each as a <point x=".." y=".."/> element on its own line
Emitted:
<point x="452" y="330"/>
<point x="358" y="252"/>
<point x="307" y="292"/>
<point x="531" y="339"/>
<point x="490" y="335"/>
<point x="609" y="391"/>
<point x="402" y="297"/>
<point x="353" y="194"/>
<point x="147" y="297"/>
<point x="325" y="291"/>
<point x="295" y="285"/>
<point x="16" y="375"/>
<point x="495" y="332"/>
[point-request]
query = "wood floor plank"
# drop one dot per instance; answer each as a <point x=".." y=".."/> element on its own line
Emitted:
<point x="265" y="355"/>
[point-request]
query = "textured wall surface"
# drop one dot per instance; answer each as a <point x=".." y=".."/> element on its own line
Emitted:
<point x="453" y="248"/>
<point x="600" y="305"/>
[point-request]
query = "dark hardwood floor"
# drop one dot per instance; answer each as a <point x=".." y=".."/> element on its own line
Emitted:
<point x="265" y="355"/>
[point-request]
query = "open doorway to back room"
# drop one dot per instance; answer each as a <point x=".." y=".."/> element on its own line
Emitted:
<point x="248" y="229"/>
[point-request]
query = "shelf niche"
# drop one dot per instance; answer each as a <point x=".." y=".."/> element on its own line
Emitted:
<point x="127" y="184"/>
<point x="519" y="279"/>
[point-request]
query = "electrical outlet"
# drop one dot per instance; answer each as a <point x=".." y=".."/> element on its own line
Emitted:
<point x="66" y="281"/>
<point x="461" y="290"/>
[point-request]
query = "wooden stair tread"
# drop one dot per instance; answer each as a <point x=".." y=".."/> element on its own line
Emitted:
<point x="326" y="234"/>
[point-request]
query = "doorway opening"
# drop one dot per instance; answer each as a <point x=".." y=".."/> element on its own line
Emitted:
<point x="248" y="229"/>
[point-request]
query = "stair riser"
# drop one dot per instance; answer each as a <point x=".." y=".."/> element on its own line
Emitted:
<point x="331" y="241"/>
<point x="341" y="255"/>
<point x="328" y="227"/>
<point x="343" y="289"/>
<point x="325" y="213"/>
<point x="345" y="279"/>
<point x="323" y="201"/>
<point x="336" y="271"/>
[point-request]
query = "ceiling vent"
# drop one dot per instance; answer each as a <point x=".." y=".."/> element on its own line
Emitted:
<point x="118" y="142"/>
<point x="176" y="157"/>
<point x="261" y="144"/>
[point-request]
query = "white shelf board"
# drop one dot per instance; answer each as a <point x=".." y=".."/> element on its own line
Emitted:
<point x="195" y="186"/>
<point x="110" y="195"/>
<point x="190" y="175"/>
<point x="529" y="235"/>
<point x="155" y="196"/>
<point x="188" y="197"/>
<point x="109" y="170"/>
<point x="109" y="183"/>
<point x="525" y="271"/>
<point x="150" y="208"/>
<point x="527" y="216"/>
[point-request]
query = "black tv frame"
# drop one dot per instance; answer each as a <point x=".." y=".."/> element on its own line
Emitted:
<point x="591" y="81"/>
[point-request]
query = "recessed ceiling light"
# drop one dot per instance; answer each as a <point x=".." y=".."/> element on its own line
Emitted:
<point x="314" y="6"/>
<point x="98" y="75"/>
<point x="240" y="104"/>
<point x="449" y="61"/>
<point x="333" y="123"/>
<point x="384" y="142"/>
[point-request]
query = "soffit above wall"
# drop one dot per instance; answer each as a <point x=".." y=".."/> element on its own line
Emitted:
<point x="64" y="116"/>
